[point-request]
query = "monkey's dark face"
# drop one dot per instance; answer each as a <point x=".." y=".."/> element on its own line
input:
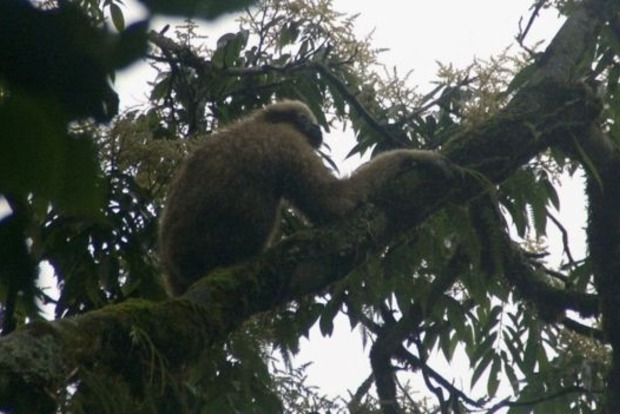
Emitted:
<point x="311" y="130"/>
<point x="300" y="118"/>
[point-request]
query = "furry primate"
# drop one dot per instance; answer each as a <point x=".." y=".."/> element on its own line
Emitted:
<point x="223" y="206"/>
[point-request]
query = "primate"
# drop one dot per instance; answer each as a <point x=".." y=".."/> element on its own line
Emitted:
<point x="223" y="206"/>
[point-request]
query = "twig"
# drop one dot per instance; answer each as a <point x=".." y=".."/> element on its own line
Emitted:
<point x="562" y="230"/>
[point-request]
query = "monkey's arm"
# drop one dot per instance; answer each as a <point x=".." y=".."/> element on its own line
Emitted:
<point x="322" y="197"/>
<point x="372" y="176"/>
<point x="313" y="189"/>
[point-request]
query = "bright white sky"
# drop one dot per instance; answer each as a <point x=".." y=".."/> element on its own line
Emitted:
<point x="418" y="34"/>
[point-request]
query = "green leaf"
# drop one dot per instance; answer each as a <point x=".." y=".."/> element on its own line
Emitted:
<point x="445" y="344"/>
<point x="532" y="350"/>
<point x="131" y="45"/>
<point x="326" y="323"/>
<point x="494" y="376"/>
<point x="588" y="164"/>
<point x="481" y="367"/>
<point x="552" y="194"/>
<point x="117" y="17"/>
<point x="81" y="187"/>
<point x="67" y="59"/>
<point x="161" y="89"/>
<point x="539" y="216"/>
<point x="289" y="35"/>
<point x="38" y="157"/>
<point x="229" y="47"/>
<point x="485" y="347"/>
<point x="456" y="316"/>
<point x="519" y="219"/>
<point x="512" y="377"/>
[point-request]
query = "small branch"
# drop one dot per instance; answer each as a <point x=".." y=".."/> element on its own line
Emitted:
<point x="522" y="274"/>
<point x="395" y="332"/>
<point x="356" y="400"/>
<point x="354" y="102"/>
<point x="523" y="32"/>
<point x="389" y="338"/>
<point x="430" y="374"/>
<point x="549" y="397"/>
<point x="565" y="242"/>
<point x="584" y="330"/>
<point x="412" y="402"/>
<point x="575" y="41"/>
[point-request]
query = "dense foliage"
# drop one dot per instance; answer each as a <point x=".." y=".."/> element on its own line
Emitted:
<point x="464" y="277"/>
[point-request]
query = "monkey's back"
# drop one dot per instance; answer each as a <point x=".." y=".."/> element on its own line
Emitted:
<point x="223" y="205"/>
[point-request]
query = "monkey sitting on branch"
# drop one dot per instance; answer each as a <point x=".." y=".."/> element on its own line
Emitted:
<point x="223" y="206"/>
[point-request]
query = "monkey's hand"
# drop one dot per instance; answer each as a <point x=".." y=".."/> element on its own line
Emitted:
<point x="394" y="163"/>
<point x="374" y="176"/>
<point x="428" y="160"/>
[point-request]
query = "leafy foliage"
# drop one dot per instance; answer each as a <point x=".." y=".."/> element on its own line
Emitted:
<point x="468" y="285"/>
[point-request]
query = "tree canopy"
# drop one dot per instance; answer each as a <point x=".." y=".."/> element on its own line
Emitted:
<point x="454" y="266"/>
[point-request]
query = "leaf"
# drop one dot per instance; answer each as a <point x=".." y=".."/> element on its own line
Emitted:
<point x="161" y="89"/>
<point x="445" y="343"/>
<point x="289" y="35"/>
<point x="515" y="347"/>
<point x="481" y="367"/>
<point x="518" y="217"/>
<point x="205" y="9"/>
<point x="117" y="17"/>
<point x="326" y="323"/>
<point x="81" y="187"/>
<point x="611" y="38"/>
<point x="552" y="194"/>
<point x="68" y="59"/>
<point x="532" y="349"/>
<point x="306" y="317"/>
<point x="38" y="157"/>
<point x="131" y="45"/>
<point x="485" y="347"/>
<point x="512" y="378"/>
<point x="229" y="47"/>
<point x="494" y="376"/>
<point x="456" y="316"/>
<point x="538" y="212"/>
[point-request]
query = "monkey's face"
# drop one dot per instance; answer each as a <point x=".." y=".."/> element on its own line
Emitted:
<point x="298" y="115"/>
<point x="313" y="132"/>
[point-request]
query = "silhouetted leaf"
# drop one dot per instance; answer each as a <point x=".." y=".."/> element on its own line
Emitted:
<point x="205" y="9"/>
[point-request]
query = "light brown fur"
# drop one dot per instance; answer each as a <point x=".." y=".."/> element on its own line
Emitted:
<point x="223" y="206"/>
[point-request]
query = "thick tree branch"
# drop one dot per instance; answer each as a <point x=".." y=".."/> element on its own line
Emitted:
<point x="603" y="231"/>
<point x="389" y="339"/>
<point x="528" y="277"/>
<point x="574" y="43"/>
<point x="584" y="330"/>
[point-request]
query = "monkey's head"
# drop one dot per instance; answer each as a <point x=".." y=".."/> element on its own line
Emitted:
<point x="299" y="115"/>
